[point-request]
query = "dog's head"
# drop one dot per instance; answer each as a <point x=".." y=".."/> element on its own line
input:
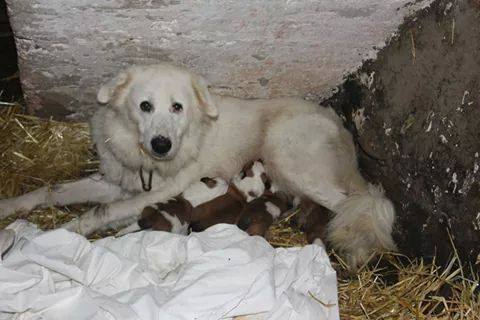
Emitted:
<point x="160" y="102"/>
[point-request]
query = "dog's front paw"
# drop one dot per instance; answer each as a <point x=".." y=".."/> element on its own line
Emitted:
<point x="88" y="222"/>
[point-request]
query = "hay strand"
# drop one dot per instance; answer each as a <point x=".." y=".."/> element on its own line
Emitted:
<point x="37" y="152"/>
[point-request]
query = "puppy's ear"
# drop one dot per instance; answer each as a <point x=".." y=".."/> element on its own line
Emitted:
<point x="204" y="98"/>
<point x="247" y="170"/>
<point x="108" y="89"/>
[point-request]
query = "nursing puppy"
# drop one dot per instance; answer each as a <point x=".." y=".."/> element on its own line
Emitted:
<point x="176" y="214"/>
<point x="244" y="189"/>
<point x="205" y="203"/>
<point x="224" y="209"/>
<point x="313" y="219"/>
<point x="162" y="130"/>
<point x="258" y="215"/>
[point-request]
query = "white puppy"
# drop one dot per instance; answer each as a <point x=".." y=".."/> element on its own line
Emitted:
<point x="162" y="130"/>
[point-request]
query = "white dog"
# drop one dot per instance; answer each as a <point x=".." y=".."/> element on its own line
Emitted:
<point x="162" y="130"/>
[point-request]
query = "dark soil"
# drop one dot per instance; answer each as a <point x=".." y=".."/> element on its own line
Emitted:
<point x="10" y="89"/>
<point x="420" y="106"/>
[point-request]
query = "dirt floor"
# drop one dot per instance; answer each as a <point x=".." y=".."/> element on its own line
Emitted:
<point x="416" y="114"/>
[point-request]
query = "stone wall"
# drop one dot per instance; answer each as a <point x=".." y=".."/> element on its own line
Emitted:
<point x="252" y="48"/>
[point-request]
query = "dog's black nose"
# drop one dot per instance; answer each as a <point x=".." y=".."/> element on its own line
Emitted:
<point x="161" y="145"/>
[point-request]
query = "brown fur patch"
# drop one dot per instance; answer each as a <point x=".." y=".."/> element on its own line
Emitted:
<point x="280" y="201"/>
<point x="223" y="209"/>
<point x="178" y="207"/>
<point x="255" y="219"/>
<point x="266" y="182"/>
<point x="317" y="218"/>
<point x="234" y="192"/>
<point x="148" y="217"/>
<point x="152" y="217"/>
<point x="264" y="177"/>
<point x="247" y="170"/>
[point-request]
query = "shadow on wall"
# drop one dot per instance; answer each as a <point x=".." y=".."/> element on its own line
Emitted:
<point x="10" y="89"/>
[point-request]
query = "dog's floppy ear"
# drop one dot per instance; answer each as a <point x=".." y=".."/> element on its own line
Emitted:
<point x="204" y="98"/>
<point x="107" y="90"/>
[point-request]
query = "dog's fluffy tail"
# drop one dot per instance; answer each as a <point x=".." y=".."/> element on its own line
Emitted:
<point x="362" y="223"/>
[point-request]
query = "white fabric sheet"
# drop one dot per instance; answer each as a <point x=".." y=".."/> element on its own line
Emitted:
<point x="216" y="274"/>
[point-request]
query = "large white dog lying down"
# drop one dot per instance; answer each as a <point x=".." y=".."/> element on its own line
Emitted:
<point x="162" y="130"/>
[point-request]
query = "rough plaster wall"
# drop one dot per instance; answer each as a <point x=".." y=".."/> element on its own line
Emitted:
<point x="251" y="48"/>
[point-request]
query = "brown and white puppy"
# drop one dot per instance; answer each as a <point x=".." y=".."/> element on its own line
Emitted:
<point x="173" y="216"/>
<point x="259" y="214"/>
<point x="176" y="214"/>
<point x="252" y="181"/>
<point x="246" y="186"/>
<point x="224" y="209"/>
<point x="251" y="202"/>
<point x="313" y="219"/>
<point x="205" y="203"/>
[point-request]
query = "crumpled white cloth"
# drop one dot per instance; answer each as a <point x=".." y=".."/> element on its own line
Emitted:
<point x="216" y="274"/>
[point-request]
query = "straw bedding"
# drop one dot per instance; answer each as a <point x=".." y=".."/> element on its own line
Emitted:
<point x="36" y="152"/>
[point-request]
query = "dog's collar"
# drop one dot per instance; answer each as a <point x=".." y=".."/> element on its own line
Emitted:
<point x="146" y="187"/>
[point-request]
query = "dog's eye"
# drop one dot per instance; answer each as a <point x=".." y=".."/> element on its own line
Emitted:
<point x="146" y="106"/>
<point x="177" y="107"/>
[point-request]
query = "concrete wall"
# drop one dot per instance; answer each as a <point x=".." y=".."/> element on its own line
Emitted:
<point x="252" y="48"/>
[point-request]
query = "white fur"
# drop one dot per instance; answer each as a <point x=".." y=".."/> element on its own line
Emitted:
<point x="371" y="215"/>
<point x="320" y="243"/>
<point x="274" y="211"/>
<point x="131" y="228"/>
<point x="199" y="192"/>
<point x="177" y="226"/>
<point x="306" y="150"/>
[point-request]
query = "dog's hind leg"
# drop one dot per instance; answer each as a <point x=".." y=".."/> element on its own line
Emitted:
<point x="317" y="160"/>
<point x="92" y="189"/>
